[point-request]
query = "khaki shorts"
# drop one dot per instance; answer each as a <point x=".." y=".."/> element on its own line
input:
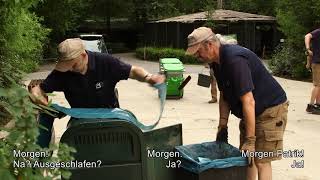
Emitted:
<point x="316" y="74"/>
<point x="270" y="126"/>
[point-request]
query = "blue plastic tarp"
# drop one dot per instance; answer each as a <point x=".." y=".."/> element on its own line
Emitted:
<point x="116" y="113"/>
<point x="197" y="158"/>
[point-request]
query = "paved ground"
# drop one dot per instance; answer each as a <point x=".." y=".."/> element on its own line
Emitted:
<point x="200" y="119"/>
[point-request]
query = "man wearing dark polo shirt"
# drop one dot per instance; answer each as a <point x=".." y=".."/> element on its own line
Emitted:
<point x="250" y="93"/>
<point x="88" y="80"/>
<point x="312" y="43"/>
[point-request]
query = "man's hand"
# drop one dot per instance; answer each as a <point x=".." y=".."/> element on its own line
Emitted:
<point x="155" y="79"/>
<point x="308" y="65"/>
<point x="249" y="145"/>
<point x="222" y="135"/>
<point x="37" y="96"/>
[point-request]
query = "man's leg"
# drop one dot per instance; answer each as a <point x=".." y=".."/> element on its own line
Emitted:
<point x="264" y="171"/>
<point x="44" y="137"/>
<point x="214" y="97"/>
<point x="273" y="120"/>
<point x="318" y="96"/>
<point x="314" y="94"/>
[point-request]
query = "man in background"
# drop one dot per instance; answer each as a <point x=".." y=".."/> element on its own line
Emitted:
<point x="312" y="43"/>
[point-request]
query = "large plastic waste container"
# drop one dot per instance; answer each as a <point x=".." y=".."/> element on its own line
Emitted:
<point x="168" y="61"/>
<point x="120" y="144"/>
<point x="174" y="78"/>
<point x="211" y="160"/>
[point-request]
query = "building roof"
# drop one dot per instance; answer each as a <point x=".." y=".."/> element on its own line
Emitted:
<point x="219" y="15"/>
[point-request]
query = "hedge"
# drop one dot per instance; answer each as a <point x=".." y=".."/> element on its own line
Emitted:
<point x="154" y="54"/>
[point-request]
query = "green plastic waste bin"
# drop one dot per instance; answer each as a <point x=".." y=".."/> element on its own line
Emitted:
<point x="174" y="78"/>
<point x="121" y="148"/>
<point x="168" y="61"/>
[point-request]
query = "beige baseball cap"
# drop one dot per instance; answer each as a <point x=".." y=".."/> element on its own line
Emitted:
<point x="196" y="37"/>
<point x="68" y="51"/>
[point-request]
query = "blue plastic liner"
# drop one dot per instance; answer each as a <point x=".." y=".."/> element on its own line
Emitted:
<point x="197" y="158"/>
<point x="116" y="113"/>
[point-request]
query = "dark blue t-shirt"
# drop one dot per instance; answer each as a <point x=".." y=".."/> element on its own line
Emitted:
<point x="95" y="89"/>
<point x="315" y="42"/>
<point x="241" y="71"/>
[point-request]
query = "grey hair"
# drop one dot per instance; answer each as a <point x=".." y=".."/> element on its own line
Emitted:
<point x="232" y="41"/>
<point x="226" y="41"/>
<point x="219" y="39"/>
<point x="214" y="38"/>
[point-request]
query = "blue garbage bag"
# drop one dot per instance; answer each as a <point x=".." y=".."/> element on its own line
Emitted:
<point x="197" y="158"/>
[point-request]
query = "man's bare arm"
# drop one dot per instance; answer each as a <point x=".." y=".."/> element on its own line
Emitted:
<point x="248" y="109"/>
<point x="224" y="111"/>
<point x="142" y="75"/>
<point x="309" y="53"/>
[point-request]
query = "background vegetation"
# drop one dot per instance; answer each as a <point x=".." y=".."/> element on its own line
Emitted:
<point x="154" y="54"/>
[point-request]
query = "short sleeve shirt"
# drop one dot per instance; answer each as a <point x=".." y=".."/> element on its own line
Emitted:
<point x="315" y="42"/>
<point x="240" y="71"/>
<point x="95" y="89"/>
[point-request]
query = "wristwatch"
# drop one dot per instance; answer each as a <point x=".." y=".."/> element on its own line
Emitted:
<point x="306" y="52"/>
<point x="146" y="76"/>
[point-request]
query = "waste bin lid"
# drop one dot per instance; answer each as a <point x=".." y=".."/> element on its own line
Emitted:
<point x="173" y="67"/>
<point x="170" y="61"/>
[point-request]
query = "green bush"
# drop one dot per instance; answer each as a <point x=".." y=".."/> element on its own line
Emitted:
<point x="154" y="54"/>
<point x="16" y="106"/>
<point x="21" y="39"/>
<point x="288" y="63"/>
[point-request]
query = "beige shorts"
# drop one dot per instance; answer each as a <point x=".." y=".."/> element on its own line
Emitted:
<point x="270" y="127"/>
<point x="316" y="74"/>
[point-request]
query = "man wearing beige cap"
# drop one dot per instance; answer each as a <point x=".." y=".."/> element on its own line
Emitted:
<point x="88" y="79"/>
<point x="248" y="91"/>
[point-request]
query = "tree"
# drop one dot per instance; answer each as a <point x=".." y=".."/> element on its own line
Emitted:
<point x="21" y="39"/>
<point x="253" y="6"/>
<point x="295" y="18"/>
<point x="61" y="16"/>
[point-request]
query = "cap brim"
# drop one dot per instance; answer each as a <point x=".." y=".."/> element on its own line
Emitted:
<point x="193" y="49"/>
<point x="64" y="66"/>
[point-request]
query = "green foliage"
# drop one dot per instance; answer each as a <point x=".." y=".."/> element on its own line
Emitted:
<point x="295" y="18"/>
<point x="210" y="9"/>
<point x="154" y="54"/>
<point x="158" y="9"/>
<point x="253" y="6"/>
<point x="61" y="16"/>
<point x="21" y="39"/>
<point x="16" y="106"/>
<point x="288" y="63"/>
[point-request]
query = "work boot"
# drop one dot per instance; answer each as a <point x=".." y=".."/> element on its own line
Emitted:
<point x="310" y="108"/>
<point x="213" y="100"/>
<point x="316" y="111"/>
<point x="313" y="109"/>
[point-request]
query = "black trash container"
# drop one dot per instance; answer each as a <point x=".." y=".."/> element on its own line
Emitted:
<point x="211" y="161"/>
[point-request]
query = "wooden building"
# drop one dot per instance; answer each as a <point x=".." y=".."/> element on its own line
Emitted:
<point x="256" y="32"/>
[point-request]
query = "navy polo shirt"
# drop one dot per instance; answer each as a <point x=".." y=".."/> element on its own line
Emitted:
<point x="95" y="89"/>
<point x="315" y="41"/>
<point x="241" y="71"/>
